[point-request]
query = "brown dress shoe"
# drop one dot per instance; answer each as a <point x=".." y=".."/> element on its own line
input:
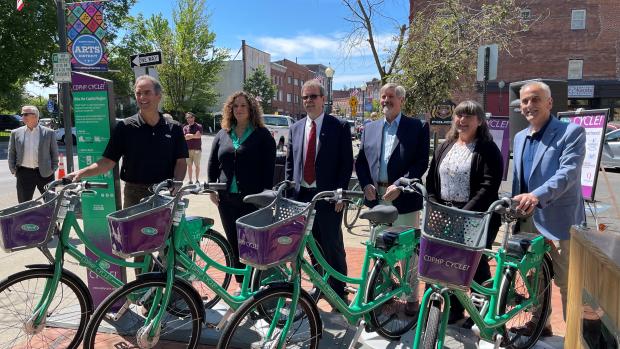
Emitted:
<point x="528" y="329"/>
<point x="412" y="308"/>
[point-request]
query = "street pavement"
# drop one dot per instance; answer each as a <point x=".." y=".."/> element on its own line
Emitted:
<point x="340" y="332"/>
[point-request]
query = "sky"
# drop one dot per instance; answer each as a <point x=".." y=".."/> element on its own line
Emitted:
<point x="306" y="31"/>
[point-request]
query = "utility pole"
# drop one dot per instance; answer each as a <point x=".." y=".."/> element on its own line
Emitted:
<point x="64" y="89"/>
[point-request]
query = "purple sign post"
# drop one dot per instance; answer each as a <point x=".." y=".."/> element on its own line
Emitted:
<point x="595" y="123"/>
<point x="499" y="127"/>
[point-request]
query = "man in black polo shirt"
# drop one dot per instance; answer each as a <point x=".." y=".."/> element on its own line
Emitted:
<point x="153" y="149"/>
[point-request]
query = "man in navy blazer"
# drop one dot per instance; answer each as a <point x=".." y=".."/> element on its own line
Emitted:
<point x="393" y="147"/>
<point x="328" y="166"/>
<point x="546" y="175"/>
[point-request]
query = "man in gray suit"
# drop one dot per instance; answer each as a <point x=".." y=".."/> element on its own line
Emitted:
<point x="33" y="154"/>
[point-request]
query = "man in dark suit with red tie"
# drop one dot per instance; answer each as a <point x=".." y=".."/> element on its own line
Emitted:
<point x="320" y="157"/>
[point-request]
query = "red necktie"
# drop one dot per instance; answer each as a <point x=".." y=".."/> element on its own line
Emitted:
<point x="309" y="172"/>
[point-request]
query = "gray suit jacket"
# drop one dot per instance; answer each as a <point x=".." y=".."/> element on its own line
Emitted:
<point x="48" y="150"/>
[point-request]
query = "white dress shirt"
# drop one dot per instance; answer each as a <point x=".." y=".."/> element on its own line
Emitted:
<point x="319" y="122"/>
<point x="31" y="148"/>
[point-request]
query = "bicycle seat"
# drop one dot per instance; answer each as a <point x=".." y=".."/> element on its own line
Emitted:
<point x="519" y="244"/>
<point x="261" y="199"/>
<point x="381" y="214"/>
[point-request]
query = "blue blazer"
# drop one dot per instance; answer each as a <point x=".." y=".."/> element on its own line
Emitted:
<point x="409" y="158"/>
<point x="555" y="177"/>
<point x="334" y="160"/>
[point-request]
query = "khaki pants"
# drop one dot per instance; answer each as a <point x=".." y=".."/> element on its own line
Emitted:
<point x="560" y="257"/>
<point x="411" y="219"/>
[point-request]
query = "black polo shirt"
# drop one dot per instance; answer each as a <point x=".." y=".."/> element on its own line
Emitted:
<point x="149" y="152"/>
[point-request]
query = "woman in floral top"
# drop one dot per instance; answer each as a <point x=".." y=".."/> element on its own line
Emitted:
<point x="466" y="172"/>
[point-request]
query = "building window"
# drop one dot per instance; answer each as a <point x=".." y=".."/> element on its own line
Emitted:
<point x="280" y="98"/>
<point x="295" y="82"/>
<point x="290" y="80"/>
<point x="526" y="14"/>
<point x="302" y="83"/>
<point x="578" y="19"/>
<point x="289" y="97"/>
<point x="575" y="69"/>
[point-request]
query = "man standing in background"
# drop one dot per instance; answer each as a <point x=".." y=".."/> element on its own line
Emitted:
<point x="193" y="134"/>
<point x="33" y="154"/>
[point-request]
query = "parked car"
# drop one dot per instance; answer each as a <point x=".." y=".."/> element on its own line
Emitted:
<point x="10" y="122"/>
<point x="60" y="135"/>
<point x="47" y="122"/>
<point x="610" y="156"/>
<point x="279" y="126"/>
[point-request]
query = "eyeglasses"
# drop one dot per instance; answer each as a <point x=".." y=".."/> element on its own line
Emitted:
<point x="312" y="97"/>
<point x="25" y="114"/>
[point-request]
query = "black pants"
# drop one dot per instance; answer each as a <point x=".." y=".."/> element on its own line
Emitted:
<point x="231" y="208"/>
<point x="27" y="180"/>
<point x="133" y="193"/>
<point x="328" y="233"/>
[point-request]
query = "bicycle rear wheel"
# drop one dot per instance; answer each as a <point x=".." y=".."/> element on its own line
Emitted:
<point x="249" y="326"/>
<point x="352" y="209"/>
<point x="214" y="245"/>
<point x="389" y="319"/>
<point x="513" y="292"/>
<point x="66" y="317"/>
<point x="126" y="328"/>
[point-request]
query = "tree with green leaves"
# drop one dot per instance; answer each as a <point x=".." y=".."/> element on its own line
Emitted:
<point x="191" y="62"/>
<point x="440" y="54"/>
<point x="30" y="36"/>
<point x="260" y="86"/>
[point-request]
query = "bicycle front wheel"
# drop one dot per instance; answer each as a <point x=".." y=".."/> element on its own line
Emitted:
<point x="66" y="317"/>
<point x="431" y="328"/>
<point x="249" y="326"/>
<point x="514" y="292"/>
<point x="120" y="321"/>
<point x="389" y="319"/>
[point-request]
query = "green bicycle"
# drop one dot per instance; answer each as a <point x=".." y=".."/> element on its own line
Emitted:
<point x="284" y="315"/>
<point x="47" y="305"/>
<point x="161" y="307"/>
<point x="452" y="243"/>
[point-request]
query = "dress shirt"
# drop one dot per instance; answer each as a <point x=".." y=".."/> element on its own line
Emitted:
<point x="532" y="140"/>
<point x="31" y="148"/>
<point x="387" y="144"/>
<point x="319" y="122"/>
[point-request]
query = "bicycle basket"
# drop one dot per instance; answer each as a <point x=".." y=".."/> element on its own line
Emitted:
<point x="272" y="235"/>
<point x="29" y="224"/>
<point x="142" y="228"/>
<point x="451" y="245"/>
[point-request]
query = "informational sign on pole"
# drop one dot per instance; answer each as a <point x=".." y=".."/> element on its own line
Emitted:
<point x="499" y="128"/>
<point x="86" y="36"/>
<point x="595" y="123"/>
<point x="61" y="65"/>
<point x="92" y="98"/>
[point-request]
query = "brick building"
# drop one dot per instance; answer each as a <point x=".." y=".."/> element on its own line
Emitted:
<point x="294" y="77"/>
<point x="278" y="77"/>
<point x="575" y="40"/>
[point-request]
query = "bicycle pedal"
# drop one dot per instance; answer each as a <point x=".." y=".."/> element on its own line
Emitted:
<point x="350" y="290"/>
<point x="478" y="300"/>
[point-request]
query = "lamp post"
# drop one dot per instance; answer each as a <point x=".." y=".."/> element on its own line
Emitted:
<point x="363" y="88"/>
<point x="329" y="72"/>
<point x="501" y="85"/>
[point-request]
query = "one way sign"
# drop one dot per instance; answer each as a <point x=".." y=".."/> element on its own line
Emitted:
<point x="145" y="59"/>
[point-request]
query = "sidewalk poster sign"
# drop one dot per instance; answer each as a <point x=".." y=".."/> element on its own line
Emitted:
<point x="86" y="40"/>
<point x="441" y="114"/>
<point x="499" y="128"/>
<point x="595" y="123"/>
<point x="92" y="101"/>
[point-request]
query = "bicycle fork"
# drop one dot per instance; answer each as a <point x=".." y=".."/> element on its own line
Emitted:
<point x="433" y="296"/>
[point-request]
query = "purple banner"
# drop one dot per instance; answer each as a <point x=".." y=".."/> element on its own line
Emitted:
<point x="499" y="128"/>
<point x="86" y="36"/>
<point x="594" y="122"/>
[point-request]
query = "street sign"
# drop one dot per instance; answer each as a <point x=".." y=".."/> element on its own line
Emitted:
<point x="145" y="59"/>
<point x="353" y="105"/>
<point x="51" y="106"/>
<point x="493" y="54"/>
<point x="61" y="63"/>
